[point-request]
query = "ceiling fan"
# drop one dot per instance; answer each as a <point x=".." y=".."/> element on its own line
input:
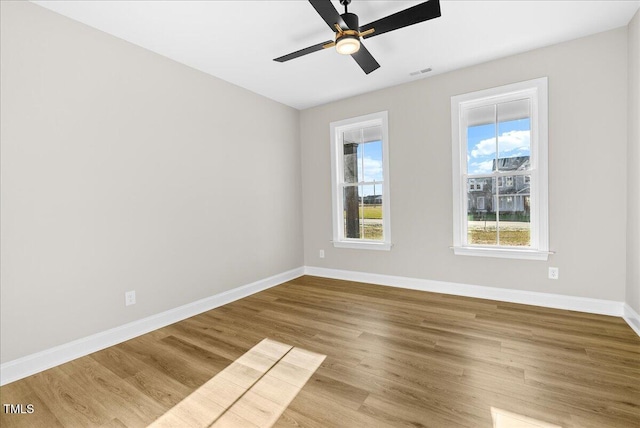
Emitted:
<point x="348" y="33"/>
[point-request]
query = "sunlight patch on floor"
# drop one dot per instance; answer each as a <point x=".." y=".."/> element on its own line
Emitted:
<point x="505" y="419"/>
<point x="253" y="391"/>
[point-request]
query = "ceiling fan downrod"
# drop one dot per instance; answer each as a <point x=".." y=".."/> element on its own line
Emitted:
<point x="345" y="3"/>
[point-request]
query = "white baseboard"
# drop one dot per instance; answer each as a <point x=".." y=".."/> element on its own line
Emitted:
<point x="557" y="301"/>
<point x="632" y="318"/>
<point x="40" y="361"/>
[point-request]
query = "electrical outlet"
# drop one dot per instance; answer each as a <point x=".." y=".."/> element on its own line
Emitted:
<point x="554" y="273"/>
<point x="322" y="254"/>
<point x="130" y="298"/>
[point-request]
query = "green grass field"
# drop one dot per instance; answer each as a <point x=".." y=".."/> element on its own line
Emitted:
<point x="371" y="211"/>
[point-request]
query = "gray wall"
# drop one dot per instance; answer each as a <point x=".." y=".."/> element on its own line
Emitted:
<point x="124" y="170"/>
<point x="633" y="166"/>
<point x="121" y="170"/>
<point x="587" y="142"/>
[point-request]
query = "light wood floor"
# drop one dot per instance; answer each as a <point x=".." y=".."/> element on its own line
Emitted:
<point x="395" y="357"/>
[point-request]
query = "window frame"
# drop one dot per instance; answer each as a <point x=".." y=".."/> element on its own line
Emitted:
<point x="536" y="90"/>
<point x="337" y="181"/>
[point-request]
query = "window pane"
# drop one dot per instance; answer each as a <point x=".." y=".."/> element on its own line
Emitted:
<point x="351" y="212"/>
<point x="515" y="212"/>
<point x="514" y="135"/>
<point x="481" y="140"/>
<point x="481" y="215"/>
<point x="362" y="150"/>
<point x="370" y="161"/>
<point x="515" y="220"/>
<point x="371" y="212"/>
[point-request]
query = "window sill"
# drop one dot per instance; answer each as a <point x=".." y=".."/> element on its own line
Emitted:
<point x="363" y="245"/>
<point x="504" y="253"/>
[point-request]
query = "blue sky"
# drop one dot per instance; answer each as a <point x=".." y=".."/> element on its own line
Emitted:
<point x="513" y="140"/>
<point x="370" y="166"/>
<point x="370" y="161"/>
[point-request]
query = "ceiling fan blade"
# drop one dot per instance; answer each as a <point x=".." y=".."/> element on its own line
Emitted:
<point x="365" y="60"/>
<point x="304" y="51"/>
<point x="419" y="13"/>
<point x="329" y="13"/>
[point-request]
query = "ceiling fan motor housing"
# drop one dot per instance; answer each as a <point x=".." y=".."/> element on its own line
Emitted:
<point x="351" y="19"/>
<point x="348" y="39"/>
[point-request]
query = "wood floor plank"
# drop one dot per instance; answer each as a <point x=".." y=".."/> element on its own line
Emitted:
<point x="324" y="412"/>
<point x="281" y="393"/>
<point x="67" y="400"/>
<point x="159" y="386"/>
<point x="257" y="409"/>
<point x="201" y="332"/>
<point x="233" y="420"/>
<point x="157" y="354"/>
<point x="21" y="393"/>
<point x="118" y="361"/>
<point x="400" y="414"/>
<point x="223" y="391"/>
<point x="121" y="400"/>
<point x="343" y="393"/>
<point x="394" y="357"/>
<point x="114" y="423"/>
<point x="196" y="410"/>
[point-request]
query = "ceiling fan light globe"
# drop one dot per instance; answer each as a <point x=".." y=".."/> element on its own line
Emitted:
<point x="348" y="45"/>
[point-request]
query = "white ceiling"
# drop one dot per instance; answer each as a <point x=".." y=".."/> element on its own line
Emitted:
<point x="237" y="40"/>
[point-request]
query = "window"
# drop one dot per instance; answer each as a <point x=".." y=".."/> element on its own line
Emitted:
<point x="360" y="182"/>
<point x="474" y="186"/>
<point x="499" y="139"/>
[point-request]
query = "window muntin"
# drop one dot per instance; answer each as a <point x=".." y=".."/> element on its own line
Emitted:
<point x="499" y="142"/>
<point x="360" y="182"/>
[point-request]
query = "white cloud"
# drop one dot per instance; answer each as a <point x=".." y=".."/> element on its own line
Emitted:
<point x="481" y="167"/>
<point x="507" y="142"/>
<point x="372" y="170"/>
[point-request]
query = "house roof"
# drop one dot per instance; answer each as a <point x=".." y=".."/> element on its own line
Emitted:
<point x="517" y="163"/>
